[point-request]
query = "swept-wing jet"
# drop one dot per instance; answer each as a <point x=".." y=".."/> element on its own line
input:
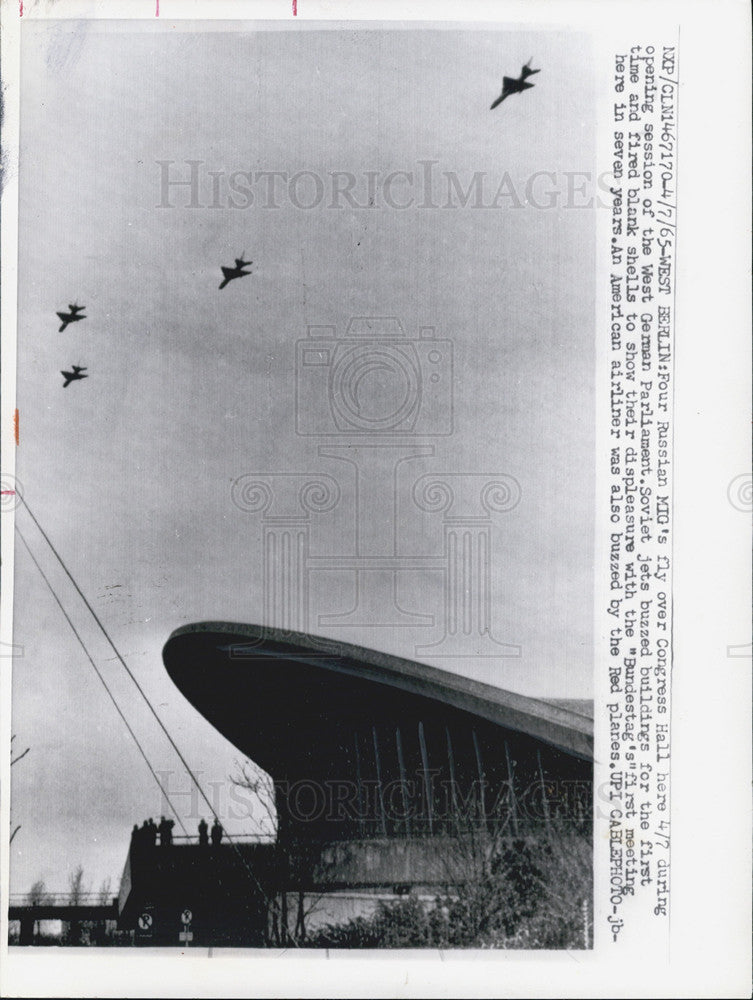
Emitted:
<point x="237" y="271"/>
<point x="73" y="376"/>
<point x="71" y="317"/>
<point x="515" y="85"/>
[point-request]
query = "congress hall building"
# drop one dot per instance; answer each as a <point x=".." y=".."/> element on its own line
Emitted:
<point x="379" y="770"/>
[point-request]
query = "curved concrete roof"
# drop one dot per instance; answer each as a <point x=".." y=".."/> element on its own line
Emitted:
<point x="566" y="725"/>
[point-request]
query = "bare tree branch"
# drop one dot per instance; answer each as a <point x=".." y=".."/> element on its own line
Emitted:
<point x="20" y="756"/>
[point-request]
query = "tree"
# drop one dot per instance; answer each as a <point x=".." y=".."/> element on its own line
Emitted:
<point x="105" y="892"/>
<point x="103" y="932"/>
<point x="293" y="863"/>
<point x="19" y="756"/>
<point x="517" y="873"/>
<point x="521" y="871"/>
<point x="37" y="896"/>
<point x="14" y="760"/>
<point x="76" y="931"/>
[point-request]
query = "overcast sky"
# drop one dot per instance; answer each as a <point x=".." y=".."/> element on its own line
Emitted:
<point x="189" y="388"/>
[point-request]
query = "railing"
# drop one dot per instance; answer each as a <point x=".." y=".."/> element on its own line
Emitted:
<point x="187" y="840"/>
<point x="246" y="838"/>
<point x="61" y="899"/>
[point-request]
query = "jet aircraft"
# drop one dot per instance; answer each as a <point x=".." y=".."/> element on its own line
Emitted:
<point x="515" y="85"/>
<point x="71" y="317"/>
<point x="74" y="375"/>
<point x="236" y="272"/>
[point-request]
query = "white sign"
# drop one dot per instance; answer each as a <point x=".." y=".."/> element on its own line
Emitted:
<point x="186" y="917"/>
<point x="145" y="921"/>
<point x="185" y="936"/>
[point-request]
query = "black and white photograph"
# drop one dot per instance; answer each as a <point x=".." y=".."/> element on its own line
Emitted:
<point x="298" y="543"/>
<point x="341" y="497"/>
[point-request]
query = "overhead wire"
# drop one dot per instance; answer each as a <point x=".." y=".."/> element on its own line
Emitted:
<point x="143" y="694"/>
<point x="99" y="674"/>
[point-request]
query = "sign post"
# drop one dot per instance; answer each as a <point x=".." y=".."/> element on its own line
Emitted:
<point x="145" y="925"/>
<point x="185" y="936"/>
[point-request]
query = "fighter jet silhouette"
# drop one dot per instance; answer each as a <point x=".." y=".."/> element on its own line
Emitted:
<point x="237" y="271"/>
<point x="74" y="375"/>
<point x="515" y="85"/>
<point x="70" y="317"/>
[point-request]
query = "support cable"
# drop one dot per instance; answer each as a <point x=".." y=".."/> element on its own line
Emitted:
<point x="105" y="685"/>
<point x="143" y="694"/>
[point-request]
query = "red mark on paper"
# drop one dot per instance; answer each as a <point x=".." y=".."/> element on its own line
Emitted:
<point x="7" y="493"/>
<point x="20" y="8"/>
<point x="15" y="426"/>
<point x="295" y="8"/>
<point x="156" y="12"/>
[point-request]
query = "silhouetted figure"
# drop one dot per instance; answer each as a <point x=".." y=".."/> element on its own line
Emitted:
<point x="166" y="832"/>
<point x="216" y="833"/>
<point x="141" y="836"/>
<point x="203" y="833"/>
<point x="150" y="835"/>
<point x="137" y="838"/>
